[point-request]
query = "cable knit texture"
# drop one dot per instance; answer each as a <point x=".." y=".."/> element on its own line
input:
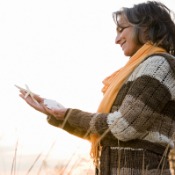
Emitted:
<point x="141" y="121"/>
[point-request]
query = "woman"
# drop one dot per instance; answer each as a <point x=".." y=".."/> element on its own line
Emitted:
<point x="132" y="131"/>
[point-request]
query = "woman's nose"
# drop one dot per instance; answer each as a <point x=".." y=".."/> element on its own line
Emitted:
<point x="117" y="39"/>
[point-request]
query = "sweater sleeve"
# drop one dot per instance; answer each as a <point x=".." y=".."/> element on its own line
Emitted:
<point x="144" y="96"/>
<point x="76" y="122"/>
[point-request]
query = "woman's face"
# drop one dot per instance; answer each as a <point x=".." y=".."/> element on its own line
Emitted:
<point x="125" y="36"/>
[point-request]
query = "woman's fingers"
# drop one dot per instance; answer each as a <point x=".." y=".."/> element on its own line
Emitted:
<point x="37" y="103"/>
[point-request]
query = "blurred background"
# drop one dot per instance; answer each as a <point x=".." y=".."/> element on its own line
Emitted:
<point x="62" y="50"/>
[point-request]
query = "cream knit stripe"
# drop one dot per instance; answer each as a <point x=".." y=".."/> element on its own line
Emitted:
<point x="158" y="68"/>
<point x="156" y="137"/>
<point x="124" y="131"/>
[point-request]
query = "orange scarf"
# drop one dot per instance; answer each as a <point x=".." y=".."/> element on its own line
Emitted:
<point x="112" y="85"/>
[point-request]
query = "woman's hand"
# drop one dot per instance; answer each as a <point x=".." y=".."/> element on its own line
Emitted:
<point x="37" y="103"/>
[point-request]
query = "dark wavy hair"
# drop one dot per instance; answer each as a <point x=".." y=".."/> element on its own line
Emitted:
<point x="153" y="22"/>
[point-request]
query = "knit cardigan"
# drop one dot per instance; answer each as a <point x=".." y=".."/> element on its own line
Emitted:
<point x="141" y="121"/>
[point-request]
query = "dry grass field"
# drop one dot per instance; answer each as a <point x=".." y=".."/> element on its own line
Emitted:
<point x="75" y="165"/>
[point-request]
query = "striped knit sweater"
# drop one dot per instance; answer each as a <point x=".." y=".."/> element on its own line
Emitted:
<point x="142" y="121"/>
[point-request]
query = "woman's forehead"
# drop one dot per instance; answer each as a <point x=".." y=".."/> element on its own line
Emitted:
<point x="122" y="20"/>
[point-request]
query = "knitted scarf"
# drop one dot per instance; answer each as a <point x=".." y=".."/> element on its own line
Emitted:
<point x="112" y="85"/>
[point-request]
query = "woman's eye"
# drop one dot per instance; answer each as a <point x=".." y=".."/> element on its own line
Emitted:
<point x="120" y="29"/>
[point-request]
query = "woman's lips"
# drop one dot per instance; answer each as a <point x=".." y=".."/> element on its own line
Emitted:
<point x="122" y="45"/>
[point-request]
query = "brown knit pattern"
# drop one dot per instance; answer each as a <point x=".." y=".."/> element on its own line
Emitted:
<point x="141" y="122"/>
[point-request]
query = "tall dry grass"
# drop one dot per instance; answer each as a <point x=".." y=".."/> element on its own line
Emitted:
<point x="75" y="165"/>
<point x="71" y="167"/>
